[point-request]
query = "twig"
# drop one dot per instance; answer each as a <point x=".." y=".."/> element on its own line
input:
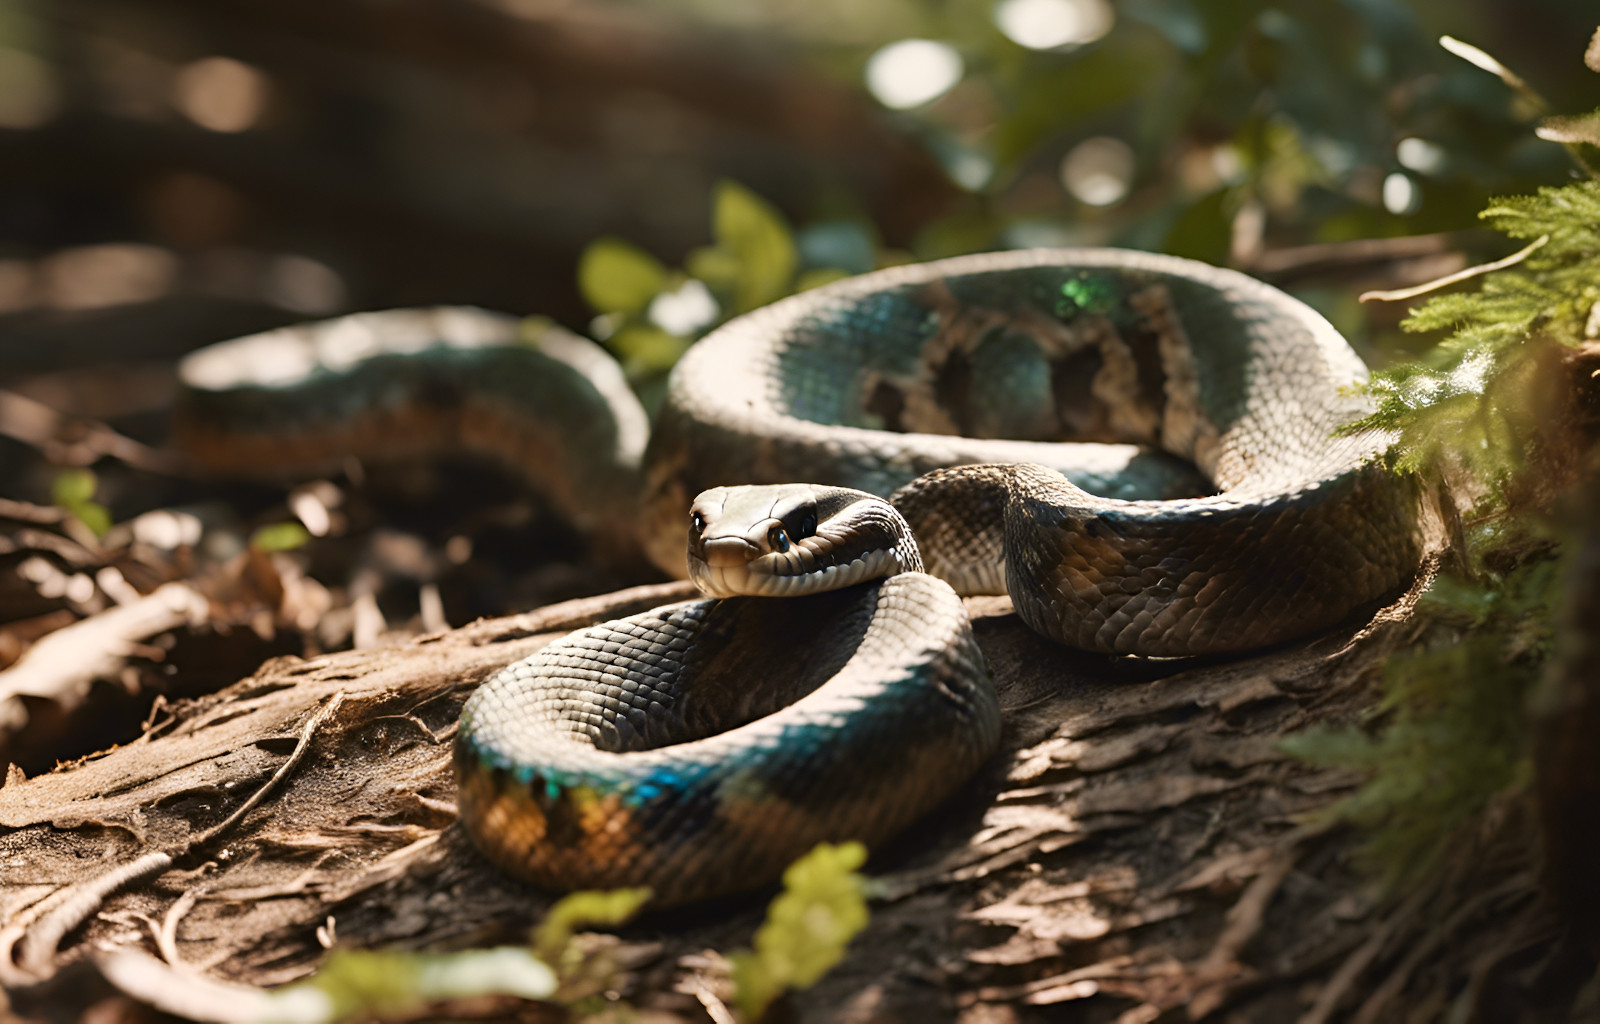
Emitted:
<point x="1478" y="58"/>
<point x="75" y="441"/>
<point x="296" y="886"/>
<point x="37" y="938"/>
<point x="1245" y="916"/>
<point x="191" y="995"/>
<point x="1372" y="1009"/>
<point x="1121" y="967"/>
<point x="27" y="512"/>
<point x="715" y="1008"/>
<point x="1355" y="253"/>
<point x="38" y="934"/>
<point x="1358" y="961"/>
<point x="284" y="769"/>
<point x="167" y="936"/>
<point x="582" y="611"/>
<point x="1460" y="275"/>
<point x="414" y="721"/>
<point x="1222" y="965"/>
<point x="1545" y="928"/>
<point x="62" y="665"/>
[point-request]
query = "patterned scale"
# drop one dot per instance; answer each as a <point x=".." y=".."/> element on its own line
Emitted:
<point x="652" y="750"/>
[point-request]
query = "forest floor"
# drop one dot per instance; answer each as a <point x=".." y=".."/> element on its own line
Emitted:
<point x="227" y="759"/>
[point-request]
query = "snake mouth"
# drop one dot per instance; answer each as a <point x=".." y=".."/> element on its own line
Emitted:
<point x="775" y="575"/>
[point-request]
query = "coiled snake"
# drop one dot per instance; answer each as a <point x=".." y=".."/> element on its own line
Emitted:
<point x="700" y="747"/>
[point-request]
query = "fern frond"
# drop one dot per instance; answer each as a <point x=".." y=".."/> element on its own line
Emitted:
<point x="1569" y="214"/>
<point x="1455" y="732"/>
<point x="1472" y="405"/>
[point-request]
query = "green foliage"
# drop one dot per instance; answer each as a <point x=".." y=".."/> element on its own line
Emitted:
<point x="581" y="909"/>
<point x="1475" y="412"/>
<point x="1474" y="403"/>
<point x="822" y="907"/>
<point x="1251" y="126"/>
<point x="807" y="929"/>
<point x="754" y="259"/>
<point x="619" y="277"/>
<point x="362" y="983"/>
<point x="73" y="487"/>
<point x="1281" y="120"/>
<point x="280" y="537"/>
<point x="1472" y="407"/>
<point x="645" y="348"/>
<point x="583" y="962"/>
<point x="73" y="492"/>
<point x="1455" y="735"/>
<point x="1552" y="290"/>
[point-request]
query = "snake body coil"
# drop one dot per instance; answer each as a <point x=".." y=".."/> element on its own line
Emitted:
<point x="405" y="384"/>
<point x="1163" y="365"/>
<point x="702" y="747"/>
<point x="1212" y="506"/>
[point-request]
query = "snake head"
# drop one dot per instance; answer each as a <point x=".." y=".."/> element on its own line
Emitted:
<point x="782" y="540"/>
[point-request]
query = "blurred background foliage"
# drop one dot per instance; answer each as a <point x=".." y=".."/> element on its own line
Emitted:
<point x="1290" y="140"/>
<point x="203" y="169"/>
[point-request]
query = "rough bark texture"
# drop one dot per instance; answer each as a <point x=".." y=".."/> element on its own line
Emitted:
<point x="1139" y="848"/>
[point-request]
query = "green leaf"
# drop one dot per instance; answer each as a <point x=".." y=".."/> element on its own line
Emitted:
<point x="718" y="268"/>
<point x="645" y="348"/>
<point x="582" y="909"/>
<point x="754" y="233"/>
<point x="95" y="516"/>
<point x="388" y="985"/>
<point x="1339" y="748"/>
<point x="808" y="927"/>
<point x="279" y="537"/>
<point x="1473" y="406"/>
<point x="73" y="492"/>
<point x="73" y="487"/>
<point x="619" y="277"/>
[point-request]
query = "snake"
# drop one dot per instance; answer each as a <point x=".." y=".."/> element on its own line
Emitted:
<point x="1148" y="454"/>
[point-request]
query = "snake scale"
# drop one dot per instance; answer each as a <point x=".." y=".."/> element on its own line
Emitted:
<point x="1143" y="451"/>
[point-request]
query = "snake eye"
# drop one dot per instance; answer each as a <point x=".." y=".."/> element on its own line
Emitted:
<point x="697" y="522"/>
<point x="778" y="539"/>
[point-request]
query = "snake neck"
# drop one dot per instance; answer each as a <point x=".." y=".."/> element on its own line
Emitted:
<point x="958" y="518"/>
<point x="1207" y="575"/>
